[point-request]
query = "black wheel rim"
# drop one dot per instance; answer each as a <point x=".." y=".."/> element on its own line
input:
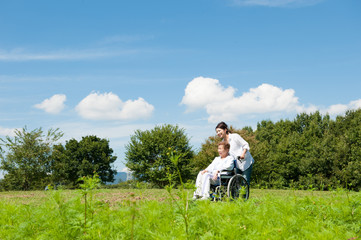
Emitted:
<point x="238" y="187"/>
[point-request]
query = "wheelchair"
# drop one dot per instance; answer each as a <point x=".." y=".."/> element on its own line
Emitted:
<point x="232" y="185"/>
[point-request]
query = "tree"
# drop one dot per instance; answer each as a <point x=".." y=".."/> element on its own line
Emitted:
<point x="348" y="162"/>
<point x="27" y="160"/>
<point x="83" y="158"/>
<point x="310" y="151"/>
<point x="148" y="154"/>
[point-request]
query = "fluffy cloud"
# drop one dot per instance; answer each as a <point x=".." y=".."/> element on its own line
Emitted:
<point x="108" y="106"/>
<point x="53" y="105"/>
<point x="7" y="131"/>
<point x="221" y="103"/>
<point x="339" y="109"/>
<point x="201" y="92"/>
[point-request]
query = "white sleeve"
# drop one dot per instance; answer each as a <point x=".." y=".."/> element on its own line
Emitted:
<point x="211" y="166"/>
<point x="241" y="142"/>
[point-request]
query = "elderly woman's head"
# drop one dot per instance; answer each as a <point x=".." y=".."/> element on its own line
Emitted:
<point x="223" y="149"/>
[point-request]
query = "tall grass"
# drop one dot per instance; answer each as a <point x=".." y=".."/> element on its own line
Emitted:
<point x="150" y="214"/>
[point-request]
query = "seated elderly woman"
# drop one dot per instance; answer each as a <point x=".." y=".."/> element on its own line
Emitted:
<point x="210" y="175"/>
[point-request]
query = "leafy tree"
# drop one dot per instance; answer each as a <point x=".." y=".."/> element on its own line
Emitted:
<point x="83" y="158"/>
<point x="348" y="163"/>
<point x="27" y="160"/>
<point x="148" y="154"/>
<point x="311" y="151"/>
<point x="293" y="151"/>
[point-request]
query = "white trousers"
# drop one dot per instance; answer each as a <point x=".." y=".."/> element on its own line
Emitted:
<point x="203" y="184"/>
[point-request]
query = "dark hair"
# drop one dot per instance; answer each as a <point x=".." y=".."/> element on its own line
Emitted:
<point x="225" y="145"/>
<point x="223" y="125"/>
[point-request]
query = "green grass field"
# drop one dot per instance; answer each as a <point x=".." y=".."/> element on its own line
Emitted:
<point x="152" y="214"/>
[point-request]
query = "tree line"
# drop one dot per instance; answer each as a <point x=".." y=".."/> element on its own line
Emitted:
<point x="312" y="151"/>
<point x="33" y="159"/>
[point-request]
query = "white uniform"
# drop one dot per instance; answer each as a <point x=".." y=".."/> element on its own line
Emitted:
<point x="238" y="144"/>
<point x="204" y="180"/>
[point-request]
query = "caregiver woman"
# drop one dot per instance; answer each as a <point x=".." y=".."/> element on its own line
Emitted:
<point x="239" y="149"/>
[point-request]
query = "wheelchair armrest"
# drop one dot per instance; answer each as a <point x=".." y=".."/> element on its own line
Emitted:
<point x="227" y="173"/>
<point x="238" y="171"/>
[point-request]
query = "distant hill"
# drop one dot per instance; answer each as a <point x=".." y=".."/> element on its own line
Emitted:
<point x="119" y="177"/>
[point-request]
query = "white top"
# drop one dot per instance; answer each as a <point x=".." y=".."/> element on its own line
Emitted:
<point x="238" y="144"/>
<point x="220" y="164"/>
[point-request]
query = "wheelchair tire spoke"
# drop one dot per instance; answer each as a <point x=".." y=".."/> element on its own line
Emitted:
<point x="238" y="187"/>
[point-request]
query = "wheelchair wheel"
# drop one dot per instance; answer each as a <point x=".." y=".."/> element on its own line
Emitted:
<point x="238" y="187"/>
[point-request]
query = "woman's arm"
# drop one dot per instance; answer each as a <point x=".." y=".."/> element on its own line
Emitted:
<point x="210" y="167"/>
<point x="241" y="142"/>
<point x="243" y="155"/>
<point x="242" y="146"/>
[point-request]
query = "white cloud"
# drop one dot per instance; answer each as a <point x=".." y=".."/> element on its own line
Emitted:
<point x="53" y="105"/>
<point x="7" y="131"/>
<point x="108" y="106"/>
<point x="339" y="109"/>
<point x="221" y="103"/>
<point x="336" y="109"/>
<point x="125" y="170"/>
<point x="201" y="92"/>
<point x="20" y="55"/>
<point x="276" y="3"/>
<point x="310" y="109"/>
<point x="355" y="104"/>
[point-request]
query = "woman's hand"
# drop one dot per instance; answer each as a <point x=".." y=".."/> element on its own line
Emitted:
<point x="204" y="171"/>
<point x="215" y="176"/>
<point x="243" y="155"/>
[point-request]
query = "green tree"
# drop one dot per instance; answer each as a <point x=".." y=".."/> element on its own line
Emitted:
<point x="310" y="151"/>
<point x="262" y="151"/>
<point x="298" y="151"/>
<point x="348" y="163"/>
<point x="83" y="158"/>
<point x="148" y="154"/>
<point x="27" y="158"/>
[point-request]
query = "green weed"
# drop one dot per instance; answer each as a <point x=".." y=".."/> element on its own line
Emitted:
<point x="147" y="214"/>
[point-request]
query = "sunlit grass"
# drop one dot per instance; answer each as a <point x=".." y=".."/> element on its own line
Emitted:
<point x="151" y="214"/>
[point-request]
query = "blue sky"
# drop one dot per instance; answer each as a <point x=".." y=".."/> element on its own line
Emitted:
<point x="108" y="68"/>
